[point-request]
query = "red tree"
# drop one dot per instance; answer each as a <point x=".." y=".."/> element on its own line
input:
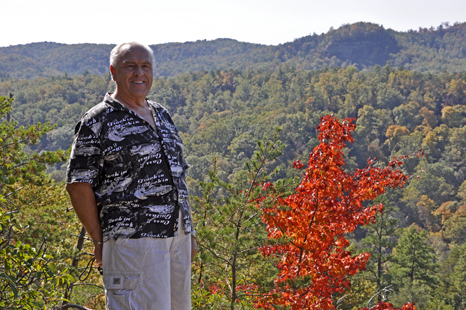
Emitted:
<point x="310" y="225"/>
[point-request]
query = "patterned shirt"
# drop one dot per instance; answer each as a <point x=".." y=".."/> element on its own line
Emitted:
<point x="137" y="173"/>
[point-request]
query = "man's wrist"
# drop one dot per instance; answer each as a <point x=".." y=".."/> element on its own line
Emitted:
<point x="97" y="242"/>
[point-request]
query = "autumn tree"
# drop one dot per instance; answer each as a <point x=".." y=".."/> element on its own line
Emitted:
<point x="307" y="230"/>
<point x="452" y="116"/>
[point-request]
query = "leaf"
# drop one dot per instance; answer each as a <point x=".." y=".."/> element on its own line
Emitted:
<point x="313" y="221"/>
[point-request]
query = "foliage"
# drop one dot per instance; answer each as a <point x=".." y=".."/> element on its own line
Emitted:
<point x="17" y="165"/>
<point x="379" y="242"/>
<point x="229" y="265"/>
<point x="388" y="306"/>
<point x="38" y="240"/>
<point x="414" y="266"/>
<point x="221" y="113"/>
<point x="29" y="278"/>
<point x="47" y="213"/>
<point x="310" y="226"/>
<point x="361" y="44"/>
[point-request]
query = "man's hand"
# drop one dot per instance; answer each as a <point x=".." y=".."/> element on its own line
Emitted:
<point x="98" y="254"/>
<point x="193" y="247"/>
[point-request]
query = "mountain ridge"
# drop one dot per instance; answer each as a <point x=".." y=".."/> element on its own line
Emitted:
<point x="363" y="45"/>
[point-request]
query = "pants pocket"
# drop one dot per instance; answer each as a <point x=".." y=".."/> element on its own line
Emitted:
<point x="119" y="289"/>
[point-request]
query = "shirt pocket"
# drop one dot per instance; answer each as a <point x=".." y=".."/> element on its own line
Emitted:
<point x="120" y="288"/>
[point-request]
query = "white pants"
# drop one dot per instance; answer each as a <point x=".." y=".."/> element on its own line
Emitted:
<point x="148" y="273"/>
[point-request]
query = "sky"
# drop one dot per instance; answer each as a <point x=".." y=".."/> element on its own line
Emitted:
<point x="270" y="22"/>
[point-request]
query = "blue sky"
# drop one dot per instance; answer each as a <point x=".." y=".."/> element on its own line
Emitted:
<point x="256" y="21"/>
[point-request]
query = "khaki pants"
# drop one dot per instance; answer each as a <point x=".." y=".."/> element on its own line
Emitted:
<point x="148" y="273"/>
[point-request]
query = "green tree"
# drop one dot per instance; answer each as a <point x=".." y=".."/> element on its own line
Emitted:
<point x="380" y="240"/>
<point x="229" y="266"/>
<point x="29" y="278"/>
<point x="457" y="275"/>
<point x="413" y="267"/>
<point x="367" y="122"/>
<point x="458" y="146"/>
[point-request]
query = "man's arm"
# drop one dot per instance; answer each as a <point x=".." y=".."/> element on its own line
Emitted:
<point x="83" y="201"/>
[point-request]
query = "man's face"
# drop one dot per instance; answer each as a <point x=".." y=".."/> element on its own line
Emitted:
<point x="133" y="74"/>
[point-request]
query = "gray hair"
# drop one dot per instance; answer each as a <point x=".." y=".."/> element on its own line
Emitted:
<point x="117" y="51"/>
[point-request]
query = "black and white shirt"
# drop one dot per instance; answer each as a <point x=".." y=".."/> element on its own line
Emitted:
<point x="137" y="173"/>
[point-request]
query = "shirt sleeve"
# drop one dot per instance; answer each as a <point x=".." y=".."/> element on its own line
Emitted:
<point x="86" y="155"/>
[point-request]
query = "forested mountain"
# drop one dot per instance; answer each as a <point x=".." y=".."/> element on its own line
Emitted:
<point x="362" y="45"/>
<point x="221" y="114"/>
<point x="416" y="102"/>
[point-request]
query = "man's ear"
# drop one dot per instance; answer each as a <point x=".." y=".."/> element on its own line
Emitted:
<point x="112" y="71"/>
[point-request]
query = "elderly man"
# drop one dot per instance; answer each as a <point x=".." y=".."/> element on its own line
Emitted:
<point x="126" y="181"/>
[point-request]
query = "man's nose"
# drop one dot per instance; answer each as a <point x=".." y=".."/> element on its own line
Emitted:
<point x="138" y="70"/>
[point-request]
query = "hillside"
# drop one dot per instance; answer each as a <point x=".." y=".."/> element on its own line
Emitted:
<point x="221" y="114"/>
<point x="399" y="108"/>
<point x="361" y="44"/>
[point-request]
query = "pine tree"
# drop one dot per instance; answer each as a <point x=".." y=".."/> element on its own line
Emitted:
<point x="229" y="265"/>
<point x="380" y="239"/>
<point x="414" y="266"/>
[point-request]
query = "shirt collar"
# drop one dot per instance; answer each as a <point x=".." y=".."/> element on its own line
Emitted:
<point x="115" y="104"/>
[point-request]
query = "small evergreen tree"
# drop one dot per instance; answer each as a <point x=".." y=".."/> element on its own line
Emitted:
<point x="230" y="232"/>
<point x="414" y="267"/>
<point x="380" y="240"/>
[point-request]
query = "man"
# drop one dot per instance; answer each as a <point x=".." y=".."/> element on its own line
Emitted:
<point x="126" y="181"/>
